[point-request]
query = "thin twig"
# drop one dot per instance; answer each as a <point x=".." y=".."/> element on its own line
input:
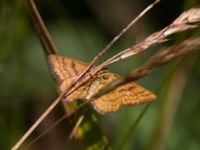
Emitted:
<point x="80" y="120"/>
<point x="39" y="120"/>
<point x="44" y="132"/>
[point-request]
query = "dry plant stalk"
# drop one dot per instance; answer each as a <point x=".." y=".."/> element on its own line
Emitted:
<point x="160" y="58"/>
<point x="187" y="20"/>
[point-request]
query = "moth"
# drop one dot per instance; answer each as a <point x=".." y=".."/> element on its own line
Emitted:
<point x="65" y="70"/>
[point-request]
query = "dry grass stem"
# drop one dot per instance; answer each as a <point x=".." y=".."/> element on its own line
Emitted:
<point x="162" y="57"/>
<point x="73" y="133"/>
<point x="187" y="20"/>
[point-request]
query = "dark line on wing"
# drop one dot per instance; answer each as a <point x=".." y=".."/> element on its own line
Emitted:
<point x="66" y="72"/>
<point x="73" y="66"/>
<point x="128" y="89"/>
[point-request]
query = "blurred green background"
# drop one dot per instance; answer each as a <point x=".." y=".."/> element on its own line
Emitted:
<point x="80" y="29"/>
